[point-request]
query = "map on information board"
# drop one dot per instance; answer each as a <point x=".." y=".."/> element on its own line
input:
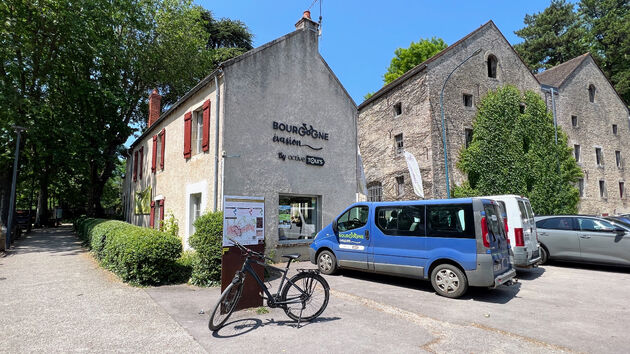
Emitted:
<point x="243" y="220"/>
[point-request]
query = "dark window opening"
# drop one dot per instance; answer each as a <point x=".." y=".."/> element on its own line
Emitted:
<point x="375" y="192"/>
<point x="468" y="102"/>
<point x="574" y="121"/>
<point x="615" y="129"/>
<point x="468" y="137"/>
<point x="591" y="93"/>
<point x="621" y="185"/>
<point x="618" y="158"/>
<point x="400" y="186"/>
<point x="400" y="147"/>
<point x="397" y="109"/>
<point x="492" y="66"/>
<point x="576" y="152"/>
<point x="580" y="186"/>
<point x="599" y="157"/>
<point x="602" y="189"/>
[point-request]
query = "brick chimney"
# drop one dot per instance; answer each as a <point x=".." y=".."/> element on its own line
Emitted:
<point x="306" y="23"/>
<point x="154" y="107"/>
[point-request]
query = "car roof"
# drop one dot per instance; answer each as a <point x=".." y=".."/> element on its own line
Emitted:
<point x="427" y="202"/>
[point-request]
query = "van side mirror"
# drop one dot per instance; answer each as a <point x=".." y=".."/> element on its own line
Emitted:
<point x="334" y="226"/>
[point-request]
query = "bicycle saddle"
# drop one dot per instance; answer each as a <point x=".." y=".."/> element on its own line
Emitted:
<point x="292" y="256"/>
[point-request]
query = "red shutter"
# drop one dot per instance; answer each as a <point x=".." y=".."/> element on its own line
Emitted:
<point x="162" y="210"/>
<point x="162" y="147"/>
<point x="154" y="154"/>
<point x="152" y="220"/>
<point x="187" y="134"/>
<point x="141" y="160"/>
<point x="205" y="144"/>
<point x="135" y="166"/>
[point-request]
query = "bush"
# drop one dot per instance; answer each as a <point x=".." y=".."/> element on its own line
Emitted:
<point x="136" y="254"/>
<point x="182" y="268"/>
<point x="208" y="244"/>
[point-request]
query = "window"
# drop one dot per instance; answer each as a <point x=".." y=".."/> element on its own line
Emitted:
<point x="596" y="225"/>
<point x="602" y="189"/>
<point x="156" y="215"/>
<point x="195" y="210"/>
<point x="468" y="100"/>
<point x="397" y="109"/>
<point x="492" y="66"/>
<point x="580" y="185"/>
<point x="354" y="218"/>
<point x="599" y="157"/>
<point x="574" y="121"/>
<point x="375" y="192"/>
<point x="494" y="222"/>
<point x="591" y="93"/>
<point x="618" y="158"/>
<point x="400" y="147"/>
<point x="576" y="152"/>
<point x="197" y="133"/>
<point x="403" y="220"/>
<point x="158" y="149"/>
<point x="468" y="136"/>
<point x="615" y="129"/>
<point x="400" y="186"/>
<point x="298" y="217"/>
<point x="621" y="189"/>
<point x="563" y="223"/>
<point x="454" y="220"/>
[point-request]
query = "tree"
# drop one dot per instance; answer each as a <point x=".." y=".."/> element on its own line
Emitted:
<point x="513" y="151"/>
<point x="551" y="37"/>
<point x="406" y="59"/>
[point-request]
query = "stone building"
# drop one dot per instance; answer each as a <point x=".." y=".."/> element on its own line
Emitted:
<point x="406" y="114"/>
<point x="597" y="123"/>
<point x="274" y="123"/>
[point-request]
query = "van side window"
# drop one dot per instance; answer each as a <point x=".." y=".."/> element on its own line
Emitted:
<point x="454" y="220"/>
<point x="401" y="220"/>
<point x="523" y="209"/>
<point x="595" y="225"/>
<point x="557" y="224"/>
<point x="353" y="218"/>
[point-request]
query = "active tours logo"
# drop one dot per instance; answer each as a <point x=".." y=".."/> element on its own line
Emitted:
<point x="309" y="160"/>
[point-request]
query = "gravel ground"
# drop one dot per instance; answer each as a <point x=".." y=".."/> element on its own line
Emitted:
<point x="55" y="298"/>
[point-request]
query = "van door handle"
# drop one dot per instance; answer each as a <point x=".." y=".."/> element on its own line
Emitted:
<point x="585" y="236"/>
<point x="367" y="234"/>
<point x="542" y="233"/>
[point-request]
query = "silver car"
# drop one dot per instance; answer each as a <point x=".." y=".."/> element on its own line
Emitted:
<point x="585" y="239"/>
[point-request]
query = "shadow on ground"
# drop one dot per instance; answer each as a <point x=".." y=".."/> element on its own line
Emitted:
<point x="242" y="326"/>
<point x="587" y="266"/>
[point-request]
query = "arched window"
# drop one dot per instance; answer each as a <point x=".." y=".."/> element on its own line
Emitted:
<point x="492" y="66"/>
<point x="591" y="93"/>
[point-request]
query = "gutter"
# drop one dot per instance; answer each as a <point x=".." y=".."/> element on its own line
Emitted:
<point x="217" y="93"/>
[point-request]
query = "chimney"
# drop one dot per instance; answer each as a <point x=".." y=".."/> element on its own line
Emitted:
<point x="306" y="23"/>
<point x="154" y="107"/>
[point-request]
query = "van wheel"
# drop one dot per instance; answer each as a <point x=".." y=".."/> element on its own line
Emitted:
<point x="327" y="262"/>
<point x="544" y="255"/>
<point x="449" y="281"/>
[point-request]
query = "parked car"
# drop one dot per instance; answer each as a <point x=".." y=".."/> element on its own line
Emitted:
<point x="587" y="239"/>
<point x="521" y="230"/>
<point x="454" y="243"/>
<point x="619" y="219"/>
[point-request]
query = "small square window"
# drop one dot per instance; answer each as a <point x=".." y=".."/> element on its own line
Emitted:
<point x="615" y="129"/>
<point x="580" y="186"/>
<point x="468" y="137"/>
<point x="576" y="152"/>
<point x="397" y="109"/>
<point x="400" y="185"/>
<point x="599" y="157"/>
<point x="400" y="147"/>
<point x="602" y="189"/>
<point x="574" y="121"/>
<point x="468" y="102"/>
<point x="618" y="158"/>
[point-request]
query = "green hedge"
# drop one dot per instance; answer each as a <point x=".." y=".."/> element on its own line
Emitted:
<point x="138" y="255"/>
<point x="207" y="242"/>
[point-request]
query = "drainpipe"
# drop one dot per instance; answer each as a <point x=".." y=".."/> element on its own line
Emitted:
<point x="217" y="93"/>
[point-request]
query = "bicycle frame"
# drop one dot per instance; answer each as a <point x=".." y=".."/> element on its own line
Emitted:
<point x="271" y="298"/>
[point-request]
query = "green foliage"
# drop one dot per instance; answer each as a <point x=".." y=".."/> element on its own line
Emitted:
<point x="407" y="58"/>
<point x="368" y="95"/>
<point x="182" y="268"/>
<point x="552" y="36"/>
<point x="514" y="152"/>
<point x="563" y="31"/>
<point x="138" y="255"/>
<point x="170" y="225"/>
<point x="208" y="244"/>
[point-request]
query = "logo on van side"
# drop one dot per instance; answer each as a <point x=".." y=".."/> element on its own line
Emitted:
<point x="351" y="235"/>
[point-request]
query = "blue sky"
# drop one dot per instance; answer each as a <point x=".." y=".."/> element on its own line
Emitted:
<point x="359" y="37"/>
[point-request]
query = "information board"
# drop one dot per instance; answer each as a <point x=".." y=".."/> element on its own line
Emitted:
<point x="243" y="220"/>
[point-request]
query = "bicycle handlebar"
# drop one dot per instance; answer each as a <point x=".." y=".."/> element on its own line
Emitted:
<point x="248" y="251"/>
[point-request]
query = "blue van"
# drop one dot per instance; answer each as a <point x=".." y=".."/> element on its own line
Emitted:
<point x="455" y="243"/>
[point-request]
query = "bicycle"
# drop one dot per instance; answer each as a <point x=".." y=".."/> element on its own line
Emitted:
<point x="301" y="292"/>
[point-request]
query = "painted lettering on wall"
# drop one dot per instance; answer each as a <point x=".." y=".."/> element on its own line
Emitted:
<point x="304" y="130"/>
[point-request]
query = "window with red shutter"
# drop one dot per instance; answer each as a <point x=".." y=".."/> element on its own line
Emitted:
<point x="135" y="166"/>
<point x="162" y="147"/>
<point x="152" y="220"/>
<point x="141" y="160"/>
<point x="205" y="143"/>
<point x="187" y="134"/>
<point x="154" y="154"/>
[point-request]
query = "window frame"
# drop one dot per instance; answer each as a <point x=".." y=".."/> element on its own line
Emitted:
<point x="577" y="152"/>
<point x="399" y="145"/>
<point x="398" y="109"/>
<point x="349" y="212"/>
<point x="421" y="232"/>
<point x="492" y="64"/>
<point x="575" y="123"/>
<point x="618" y="159"/>
<point x="469" y="220"/>
<point x="615" y="129"/>
<point x="400" y="186"/>
<point x="197" y="132"/>
<point x="603" y="193"/>
<point x="599" y="156"/>
<point x="467" y="98"/>
<point x="375" y="189"/>
<point x="591" y="93"/>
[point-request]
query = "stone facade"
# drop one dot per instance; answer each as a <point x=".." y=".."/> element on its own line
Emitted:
<point x="284" y="81"/>
<point x="593" y="129"/>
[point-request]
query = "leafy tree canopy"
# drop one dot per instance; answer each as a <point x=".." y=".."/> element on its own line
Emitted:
<point x="407" y="58"/>
<point x="513" y="151"/>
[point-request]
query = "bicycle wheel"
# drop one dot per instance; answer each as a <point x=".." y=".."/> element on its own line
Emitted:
<point x="225" y="306"/>
<point x="310" y="293"/>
